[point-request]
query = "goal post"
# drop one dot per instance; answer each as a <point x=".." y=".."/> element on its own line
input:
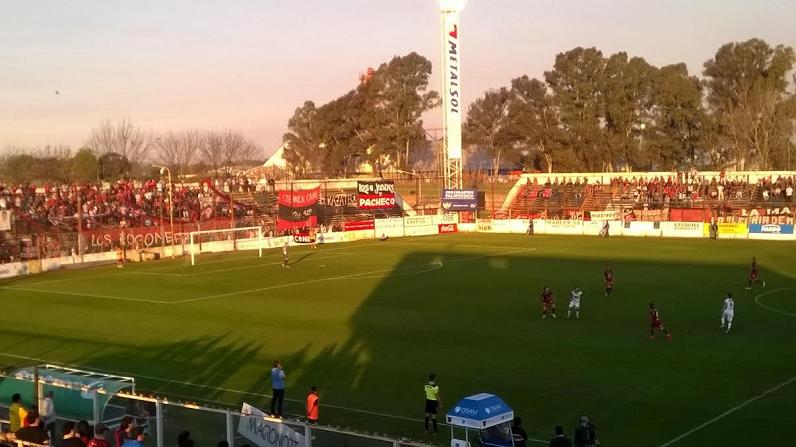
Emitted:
<point x="231" y="239"/>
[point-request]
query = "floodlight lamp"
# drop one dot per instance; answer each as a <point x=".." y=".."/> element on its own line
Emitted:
<point x="451" y="5"/>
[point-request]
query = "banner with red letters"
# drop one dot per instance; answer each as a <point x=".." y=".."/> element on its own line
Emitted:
<point x="448" y="228"/>
<point x="297" y="208"/>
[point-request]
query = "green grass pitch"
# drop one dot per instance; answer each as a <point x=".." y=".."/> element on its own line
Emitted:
<point x="367" y="321"/>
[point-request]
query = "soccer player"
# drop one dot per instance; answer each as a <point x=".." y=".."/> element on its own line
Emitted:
<point x="574" y="303"/>
<point x="119" y="257"/>
<point x="656" y="323"/>
<point x="548" y="302"/>
<point x="727" y="312"/>
<point x="285" y="259"/>
<point x="432" y="401"/>
<point x="753" y="276"/>
<point x="608" y="276"/>
<point x="313" y="235"/>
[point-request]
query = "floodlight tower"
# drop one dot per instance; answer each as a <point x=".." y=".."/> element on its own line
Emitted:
<point x="451" y="92"/>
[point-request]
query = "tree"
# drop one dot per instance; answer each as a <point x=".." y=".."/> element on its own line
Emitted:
<point x="576" y="82"/>
<point x="396" y="96"/>
<point x="487" y="125"/>
<point x="178" y="150"/>
<point x="678" y="129"/>
<point x="113" y="166"/>
<point x="747" y="92"/>
<point x="123" y="138"/>
<point x="84" y="166"/>
<point x="534" y="123"/>
<point x="303" y="141"/>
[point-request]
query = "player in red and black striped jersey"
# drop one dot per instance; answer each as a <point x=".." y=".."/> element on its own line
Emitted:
<point x="754" y="278"/>
<point x="656" y="323"/>
<point x="608" y="276"/>
<point x="548" y="302"/>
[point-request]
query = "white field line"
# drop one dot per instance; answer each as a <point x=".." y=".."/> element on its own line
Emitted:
<point x="262" y="289"/>
<point x="334" y="278"/>
<point x="243" y="267"/>
<point x="232" y="390"/>
<point x="86" y="295"/>
<point x="782" y="312"/>
<point x="731" y="410"/>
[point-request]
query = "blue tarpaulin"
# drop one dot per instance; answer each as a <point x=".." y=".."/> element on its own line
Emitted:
<point x="480" y="411"/>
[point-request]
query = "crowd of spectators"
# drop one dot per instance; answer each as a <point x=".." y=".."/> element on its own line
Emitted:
<point x="122" y="203"/>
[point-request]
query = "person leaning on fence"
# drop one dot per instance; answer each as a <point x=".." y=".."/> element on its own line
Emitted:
<point x="313" y="405"/>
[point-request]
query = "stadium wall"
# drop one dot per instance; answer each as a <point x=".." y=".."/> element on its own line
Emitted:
<point x="431" y="225"/>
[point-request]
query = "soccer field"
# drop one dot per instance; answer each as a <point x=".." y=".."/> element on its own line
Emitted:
<point x="367" y="321"/>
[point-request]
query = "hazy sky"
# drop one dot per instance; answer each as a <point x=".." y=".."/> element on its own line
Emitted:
<point x="247" y="65"/>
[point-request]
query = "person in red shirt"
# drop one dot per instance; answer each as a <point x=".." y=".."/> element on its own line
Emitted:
<point x="656" y="323"/>
<point x="548" y="302"/>
<point x="753" y="276"/>
<point x="608" y="276"/>
<point x="313" y="405"/>
<point x="100" y="431"/>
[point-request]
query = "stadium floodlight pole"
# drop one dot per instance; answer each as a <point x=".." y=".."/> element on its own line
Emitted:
<point x="171" y="204"/>
<point x="451" y="92"/>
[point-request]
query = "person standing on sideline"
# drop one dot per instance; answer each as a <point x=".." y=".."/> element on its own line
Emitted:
<point x="432" y="402"/>
<point x="285" y="259"/>
<point x="582" y="432"/>
<point x="518" y="434"/>
<point x="530" y="226"/>
<point x="559" y="440"/>
<point x="278" y="377"/>
<point x="313" y="405"/>
<point x="48" y="415"/>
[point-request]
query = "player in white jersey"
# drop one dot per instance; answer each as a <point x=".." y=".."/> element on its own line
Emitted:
<point x="727" y="312"/>
<point x="574" y="302"/>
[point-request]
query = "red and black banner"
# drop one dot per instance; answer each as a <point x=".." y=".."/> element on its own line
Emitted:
<point x="376" y="195"/>
<point x="297" y="208"/>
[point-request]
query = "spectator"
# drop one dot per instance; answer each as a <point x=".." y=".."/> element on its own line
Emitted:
<point x="519" y="435"/>
<point x="48" y="415"/>
<point x="100" y="432"/>
<point x="136" y="438"/>
<point x="71" y="439"/>
<point x="559" y="440"/>
<point x="278" y="377"/>
<point x="120" y="434"/>
<point x="16" y="413"/>
<point x="84" y="432"/>
<point x="313" y="405"/>
<point x="184" y="439"/>
<point x="789" y="193"/>
<point x="33" y="432"/>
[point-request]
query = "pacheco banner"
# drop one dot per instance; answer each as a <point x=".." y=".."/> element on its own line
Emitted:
<point x="297" y="208"/>
<point x="376" y="195"/>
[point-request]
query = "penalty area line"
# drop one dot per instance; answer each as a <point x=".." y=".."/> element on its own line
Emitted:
<point x="769" y="308"/>
<point x="731" y="411"/>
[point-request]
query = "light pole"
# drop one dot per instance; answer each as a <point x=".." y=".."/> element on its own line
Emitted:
<point x="171" y="204"/>
<point x="419" y="185"/>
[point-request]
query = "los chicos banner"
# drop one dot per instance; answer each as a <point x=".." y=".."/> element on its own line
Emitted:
<point x="376" y="195"/>
<point x="297" y="208"/>
<point x="459" y="199"/>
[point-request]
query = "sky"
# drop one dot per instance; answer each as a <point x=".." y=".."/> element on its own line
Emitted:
<point x="247" y="65"/>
